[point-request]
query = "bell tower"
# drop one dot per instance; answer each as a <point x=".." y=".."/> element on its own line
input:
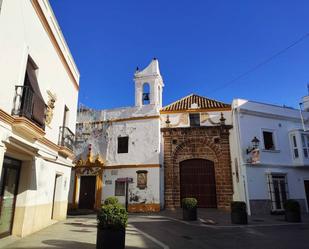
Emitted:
<point x="149" y="85"/>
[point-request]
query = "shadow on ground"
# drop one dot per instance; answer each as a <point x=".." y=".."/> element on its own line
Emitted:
<point x="61" y="244"/>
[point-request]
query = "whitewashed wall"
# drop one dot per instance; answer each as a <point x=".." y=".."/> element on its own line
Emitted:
<point x="249" y="120"/>
<point x="150" y="195"/>
<point x="23" y="35"/>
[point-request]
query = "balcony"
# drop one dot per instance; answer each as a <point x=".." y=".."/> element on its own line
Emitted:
<point x="29" y="105"/>
<point x="66" y="139"/>
<point x="29" y="108"/>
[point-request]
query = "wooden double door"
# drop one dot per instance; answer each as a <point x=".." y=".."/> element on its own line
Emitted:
<point x="197" y="179"/>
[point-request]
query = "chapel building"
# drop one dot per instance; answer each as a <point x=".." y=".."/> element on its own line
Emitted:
<point x="196" y="152"/>
<point x="151" y="157"/>
<point x="118" y="151"/>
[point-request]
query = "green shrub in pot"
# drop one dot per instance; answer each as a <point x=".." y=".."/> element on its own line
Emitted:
<point x="189" y="208"/>
<point x="112" y="222"/>
<point x="111" y="200"/>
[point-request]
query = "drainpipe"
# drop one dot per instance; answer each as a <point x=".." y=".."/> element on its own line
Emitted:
<point x="241" y="161"/>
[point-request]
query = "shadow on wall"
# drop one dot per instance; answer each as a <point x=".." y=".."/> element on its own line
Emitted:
<point x="28" y="177"/>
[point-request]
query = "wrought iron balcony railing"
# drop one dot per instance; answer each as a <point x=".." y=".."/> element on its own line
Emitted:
<point x="29" y="105"/>
<point x="66" y="137"/>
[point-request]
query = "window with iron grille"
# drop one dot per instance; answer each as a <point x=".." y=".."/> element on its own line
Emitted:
<point x="278" y="190"/>
<point x="305" y="144"/>
<point x="120" y="188"/>
<point x="194" y="119"/>
<point x="123" y="144"/>
<point x="294" y="146"/>
<point x="268" y="137"/>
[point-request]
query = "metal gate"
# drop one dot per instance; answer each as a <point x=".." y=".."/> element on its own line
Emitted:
<point x="197" y="179"/>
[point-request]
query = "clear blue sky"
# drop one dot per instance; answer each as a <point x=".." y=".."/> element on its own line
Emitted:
<point x="200" y="45"/>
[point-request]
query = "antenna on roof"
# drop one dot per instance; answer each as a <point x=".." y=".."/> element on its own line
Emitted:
<point x="308" y="88"/>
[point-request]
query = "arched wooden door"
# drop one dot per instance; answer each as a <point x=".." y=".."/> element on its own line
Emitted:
<point x="197" y="179"/>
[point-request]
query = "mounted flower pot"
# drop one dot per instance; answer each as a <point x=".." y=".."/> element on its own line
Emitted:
<point x="292" y="211"/>
<point x="239" y="213"/>
<point x="112" y="222"/>
<point x="189" y="209"/>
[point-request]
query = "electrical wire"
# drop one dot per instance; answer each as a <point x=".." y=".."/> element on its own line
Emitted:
<point x="259" y="65"/>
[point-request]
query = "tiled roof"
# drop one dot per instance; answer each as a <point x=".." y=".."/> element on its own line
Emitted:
<point x="194" y="102"/>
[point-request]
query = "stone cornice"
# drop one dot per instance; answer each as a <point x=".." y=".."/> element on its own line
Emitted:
<point x="29" y="129"/>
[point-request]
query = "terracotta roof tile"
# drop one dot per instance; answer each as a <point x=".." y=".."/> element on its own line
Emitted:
<point x="201" y="102"/>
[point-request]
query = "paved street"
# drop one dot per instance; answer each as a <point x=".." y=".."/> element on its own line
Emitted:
<point x="162" y="231"/>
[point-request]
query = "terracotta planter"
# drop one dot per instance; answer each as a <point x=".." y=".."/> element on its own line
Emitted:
<point x="292" y="216"/>
<point x="111" y="238"/>
<point x="239" y="217"/>
<point x="189" y="214"/>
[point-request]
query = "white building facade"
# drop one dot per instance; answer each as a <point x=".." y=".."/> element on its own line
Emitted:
<point x="38" y="102"/>
<point x="269" y="152"/>
<point x="118" y="150"/>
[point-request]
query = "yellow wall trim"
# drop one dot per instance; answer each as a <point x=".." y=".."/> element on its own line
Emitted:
<point x="27" y="128"/>
<point x="143" y="208"/>
<point x="133" y="166"/>
<point x="134" y="118"/>
<point x="123" y="119"/>
<point x="197" y="110"/>
<point x="6" y="118"/>
<point x="54" y="41"/>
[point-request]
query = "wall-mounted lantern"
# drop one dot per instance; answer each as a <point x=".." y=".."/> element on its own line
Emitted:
<point x="255" y="144"/>
<point x="167" y="121"/>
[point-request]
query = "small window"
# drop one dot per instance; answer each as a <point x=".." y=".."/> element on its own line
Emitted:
<point x="194" y="119"/>
<point x="268" y="137"/>
<point x="294" y="145"/>
<point x="120" y="188"/>
<point x="123" y="144"/>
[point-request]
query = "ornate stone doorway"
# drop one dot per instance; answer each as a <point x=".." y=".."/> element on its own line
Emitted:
<point x="196" y="158"/>
<point x="88" y="182"/>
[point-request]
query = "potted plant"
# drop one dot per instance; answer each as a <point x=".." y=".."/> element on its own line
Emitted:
<point x="292" y="211"/>
<point x="112" y="222"/>
<point x="111" y="200"/>
<point x="239" y="212"/>
<point x="189" y="209"/>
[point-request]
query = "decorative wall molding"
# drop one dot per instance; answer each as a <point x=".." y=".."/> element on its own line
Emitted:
<point x="35" y="131"/>
<point x="50" y="107"/>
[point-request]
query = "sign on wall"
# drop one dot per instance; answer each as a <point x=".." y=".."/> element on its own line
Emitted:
<point x="255" y="156"/>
